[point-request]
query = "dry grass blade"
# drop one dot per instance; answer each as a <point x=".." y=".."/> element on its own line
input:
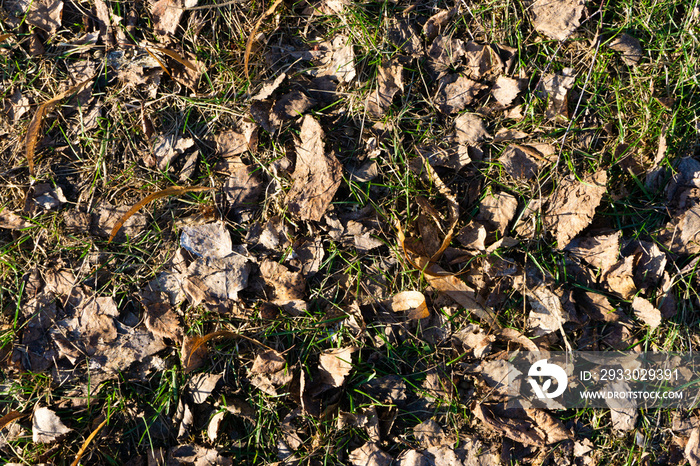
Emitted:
<point x="92" y="436"/>
<point x="171" y="191"/>
<point x="177" y="57"/>
<point x="8" y="418"/>
<point x="34" y="127"/>
<point x="453" y="206"/>
<point x="251" y="38"/>
<point x="4" y="37"/>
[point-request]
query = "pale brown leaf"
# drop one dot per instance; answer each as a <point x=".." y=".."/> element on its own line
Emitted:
<point x="438" y="21"/>
<point x="629" y="47"/>
<point x="646" y="312"/>
<point x="692" y="447"/>
<point x="455" y="92"/>
<point x="46" y="15"/>
<point x="47" y="427"/>
<point x="533" y="427"/>
<point x="496" y="211"/>
<point x="470" y="129"/>
<point x="163" y="321"/>
<point x="202" y="385"/>
<point x="524" y="161"/>
<point x="600" y="251"/>
<point x="167" y="15"/>
<point x="369" y="454"/>
<point x="335" y="365"/>
<point x="411" y="301"/>
<point x="572" y="206"/>
<point x="557" y="86"/>
<point x="620" y="278"/>
<point x="317" y="175"/>
<point x="389" y="82"/>
<point x="483" y="61"/>
<point x="557" y="19"/>
<point x="506" y="90"/>
<point x="11" y="221"/>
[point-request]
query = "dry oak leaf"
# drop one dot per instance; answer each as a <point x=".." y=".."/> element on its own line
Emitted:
<point x="533" y="427"/>
<point x="335" y="365"/>
<point x="557" y="19"/>
<point x="600" y="251"/>
<point x="369" y="454"/>
<point x="389" y="82"/>
<point x="456" y="92"/>
<point x="572" y="206"/>
<point x="47" y="427"/>
<point x="646" y="312"/>
<point x="629" y="47"/>
<point x="316" y="176"/>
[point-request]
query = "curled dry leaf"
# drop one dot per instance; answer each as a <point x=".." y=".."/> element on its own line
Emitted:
<point x="317" y="176"/>
<point x="620" y="278"/>
<point x="483" y="61"/>
<point x="335" y="365"/>
<point x="472" y="339"/>
<point x="435" y="23"/>
<point x="404" y="36"/>
<point x="412" y="301"/>
<point x="646" y="312"/>
<point x="572" y="206"/>
<point x="167" y="15"/>
<point x="171" y="191"/>
<point x="47" y="427"/>
<point x="557" y="19"/>
<point x="253" y="35"/>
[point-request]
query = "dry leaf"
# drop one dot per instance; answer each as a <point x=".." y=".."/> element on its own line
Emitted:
<point x="496" y="211"/>
<point x="369" y="454"/>
<point x="254" y="34"/>
<point x="557" y="86"/>
<point x="470" y="129"/>
<point x="290" y="105"/>
<point x="533" y="427"/>
<point x="506" y="90"/>
<point x="444" y="53"/>
<point x="473" y="236"/>
<point x="268" y="362"/>
<point x="216" y="281"/>
<point x="162" y="321"/>
<point x="523" y="161"/>
<point x="167" y="14"/>
<point x="472" y="339"/>
<point x="630" y="48"/>
<point x="600" y="251"/>
<point x="598" y="307"/>
<point x="623" y="412"/>
<point x="547" y="314"/>
<point x="166" y="149"/>
<point x="692" y="448"/>
<point x="620" y="278"/>
<point x="337" y="59"/>
<point x="202" y="385"/>
<point x="46" y="15"/>
<point x="269" y="87"/>
<point x="456" y="92"/>
<point x="286" y="285"/>
<point x="435" y="23"/>
<point x="389" y="82"/>
<point x="12" y="221"/>
<point x="430" y="434"/>
<point x="207" y="240"/>
<point x="199" y="456"/>
<point x="317" y="176"/>
<point x="650" y="265"/>
<point x="572" y="206"/>
<point x="389" y="389"/>
<point x="17" y="106"/>
<point x="557" y="19"/>
<point x="404" y="36"/>
<point x="646" y="312"/>
<point x="9" y="418"/>
<point x="335" y="365"/>
<point x="235" y="142"/>
<point x="412" y="301"/>
<point x="171" y="191"/>
<point x="482" y="61"/>
<point x="509" y="134"/>
<point x="682" y="233"/>
<point x="47" y="427"/>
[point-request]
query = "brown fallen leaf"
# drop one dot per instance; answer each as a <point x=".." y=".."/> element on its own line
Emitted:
<point x="483" y="61"/>
<point x="509" y="134"/>
<point x="235" y="141"/>
<point x="335" y="365"/>
<point x="269" y="87"/>
<point x="46" y="15"/>
<point x="430" y="434"/>
<point x="556" y="87"/>
<point x="455" y="92"/>
<point x="600" y="251"/>
<point x="9" y="418"/>
<point x="629" y="47"/>
<point x="623" y="412"/>
<point x="646" y="312"/>
<point x="337" y="59"/>
<point x="389" y="82"/>
<point x="17" y="106"/>
<point x="445" y="53"/>
<point x="404" y="36"/>
<point x="572" y="206"/>
<point x="533" y="427"/>
<point x="290" y="105"/>
<point x="412" y="301"/>
<point x="253" y="35"/>
<point x="34" y="128"/>
<point x="692" y="448"/>
<point x="473" y="340"/>
<point x="524" y="161"/>
<point x="470" y="129"/>
<point x="202" y="385"/>
<point x="316" y="176"/>
<point x="285" y="284"/>
<point x="171" y="191"/>
<point x="620" y="278"/>
<point x="435" y="23"/>
<point x="163" y="321"/>
<point x="681" y="235"/>
<point x="506" y="90"/>
<point x="208" y="240"/>
<point x="650" y="265"/>
<point x="270" y="371"/>
<point x="11" y="221"/>
<point x="547" y="314"/>
<point x="167" y="148"/>
<point x="47" y="427"/>
<point x="496" y="212"/>
<point x="369" y="454"/>
<point x="167" y="15"/>
<point x="557" y="19"/>
<point x="598" y="307"/>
